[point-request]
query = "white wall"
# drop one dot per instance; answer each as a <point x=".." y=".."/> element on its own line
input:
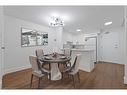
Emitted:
<point x="67" y="37"/>
<point x="90" y="43"/>
<point x="75" y="38"/>
<point x="58" y="34"/>
<point x="17" y="57"/>
<point x="1" y="43"/>
<point x="78" y="39"/>
<point x="125" y="45"/>
<point x="111" y="45"/>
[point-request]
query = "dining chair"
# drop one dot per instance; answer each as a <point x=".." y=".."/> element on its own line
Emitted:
<point x="40" y="55"/>
<point x="74" y="70"/>
<point x="67" y="52"/>
<point x="37" y="70"/>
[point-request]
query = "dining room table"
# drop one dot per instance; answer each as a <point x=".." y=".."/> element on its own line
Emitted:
<point x="54" y="60"/>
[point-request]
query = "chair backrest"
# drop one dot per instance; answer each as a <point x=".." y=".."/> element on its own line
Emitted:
<point x="67" y="52"/>
<point x="75" y="66"/>
<point x="39" y="53"/>
<point x="34" y="64"/>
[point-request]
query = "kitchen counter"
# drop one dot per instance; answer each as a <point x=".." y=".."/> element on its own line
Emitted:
<point x="87" y="59"/>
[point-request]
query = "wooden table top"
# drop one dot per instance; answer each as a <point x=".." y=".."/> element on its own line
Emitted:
<point x="56" y="58"/>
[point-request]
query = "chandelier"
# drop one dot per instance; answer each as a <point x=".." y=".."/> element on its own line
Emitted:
<point x="56" y="21"/>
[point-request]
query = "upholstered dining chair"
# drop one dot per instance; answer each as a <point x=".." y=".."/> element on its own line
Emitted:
<point x="67" y="52"/>
<point x="74" y="70"/>
<point x="40" y="54"/>
<point x="37" y="70"/>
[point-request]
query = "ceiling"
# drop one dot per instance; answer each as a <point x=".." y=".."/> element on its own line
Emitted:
<point x="75" y="17"/>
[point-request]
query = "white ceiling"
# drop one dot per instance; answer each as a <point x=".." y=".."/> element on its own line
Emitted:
<point x="84" y="17"/>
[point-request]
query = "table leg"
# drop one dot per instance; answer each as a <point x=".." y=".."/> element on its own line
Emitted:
<point x="55" y="72"/>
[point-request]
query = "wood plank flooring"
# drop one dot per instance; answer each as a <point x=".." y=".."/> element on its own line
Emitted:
<point x="104" y="76"/>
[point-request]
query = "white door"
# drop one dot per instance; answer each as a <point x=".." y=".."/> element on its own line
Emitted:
<point x="109" y="47"/>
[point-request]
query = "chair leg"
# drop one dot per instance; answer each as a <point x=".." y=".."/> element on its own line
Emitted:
<point x="42" y="65"/>
<point x="49" y="66"/>
<point x="68" y="76"/>
<point x="39" y="82"/>
<point x="66" y="65"/>
<point x="73" y="80"/>
<point x="31" y="80"/>
<point x="62" y="77"/>
<point x="50" y="77"/>
<point x="50" y="73"/>
<point x="78" y="77"/>
<point x="58" y="65"/>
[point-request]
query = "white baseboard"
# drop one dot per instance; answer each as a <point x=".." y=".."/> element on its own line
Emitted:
<point x="111" y="62"/>
<point x="10" y="70"/>
<point x="125" y="79"/>
<point x="86" y="69"/>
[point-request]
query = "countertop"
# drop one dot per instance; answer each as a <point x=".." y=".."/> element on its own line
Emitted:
<point x="74" y="49"/>
<point x="83" y="50"/>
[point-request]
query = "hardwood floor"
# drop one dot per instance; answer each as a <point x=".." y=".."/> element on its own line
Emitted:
<point x="104" y="76"/>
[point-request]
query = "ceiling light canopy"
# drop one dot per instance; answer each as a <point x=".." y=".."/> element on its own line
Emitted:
<point x="108" y="23"/>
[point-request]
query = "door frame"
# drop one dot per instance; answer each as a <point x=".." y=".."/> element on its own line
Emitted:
<point x="2" y="44"/>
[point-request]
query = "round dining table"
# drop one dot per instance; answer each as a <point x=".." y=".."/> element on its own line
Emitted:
<point x="54" y="60"/>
